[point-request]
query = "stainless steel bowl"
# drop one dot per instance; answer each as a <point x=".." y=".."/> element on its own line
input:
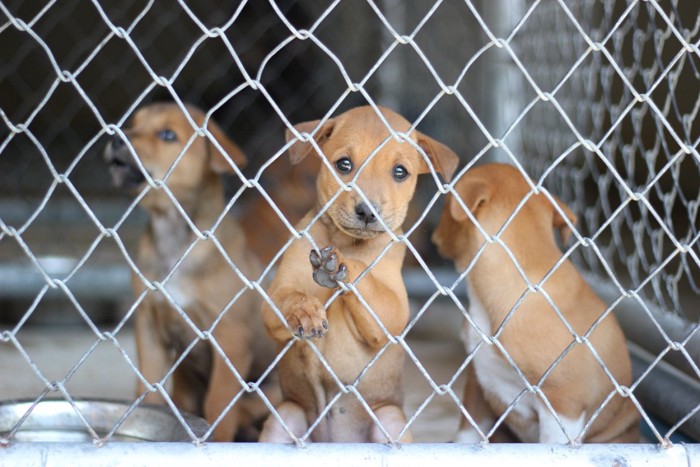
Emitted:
<point x="56" y="420"/>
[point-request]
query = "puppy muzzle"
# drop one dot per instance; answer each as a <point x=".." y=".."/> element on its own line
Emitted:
<point x="122" y="168"/>
<point x="363" y="223"/>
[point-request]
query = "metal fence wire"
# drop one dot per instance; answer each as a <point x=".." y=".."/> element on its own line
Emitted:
<point x="595" y="102"/>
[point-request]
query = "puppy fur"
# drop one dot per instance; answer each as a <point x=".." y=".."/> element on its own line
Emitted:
<point x="534" y="336"/>
<point x="202" y="283"/>
<point x="350" y="238"/>
<point x="292" y="188"/>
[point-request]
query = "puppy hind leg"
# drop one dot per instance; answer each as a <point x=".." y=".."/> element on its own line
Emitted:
<point x="294" y="418"/>
<point x="223" y="387"/>
<point x="393" y="420"/>
<point x="188" y="392"/>
<point x="550" y="429"/>
<point x="477" y="406"/>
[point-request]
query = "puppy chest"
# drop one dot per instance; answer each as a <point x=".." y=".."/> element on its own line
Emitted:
<point x="177" y="326"/>
<point x="178" y="289"/>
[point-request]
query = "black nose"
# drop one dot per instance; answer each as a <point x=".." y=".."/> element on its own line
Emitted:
<point x="117" y="142"/>
<point x="364" y="213"/>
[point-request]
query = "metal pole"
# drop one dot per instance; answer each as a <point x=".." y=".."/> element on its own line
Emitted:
<point x="340" y="455"/>
<point x="501" y="81"/>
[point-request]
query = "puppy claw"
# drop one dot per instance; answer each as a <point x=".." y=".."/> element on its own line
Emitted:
<point x="341" y="274"/>
<point x="306" y="317"/>
<point x="328" y="269"/>
<point x="324" y="279"/>
<point x="315" y="259"/>
<point x="325" y="324"/>
<point x="331" y="263"/>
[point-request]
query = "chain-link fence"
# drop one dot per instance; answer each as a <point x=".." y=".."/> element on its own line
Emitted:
<point x="593" y="101"/>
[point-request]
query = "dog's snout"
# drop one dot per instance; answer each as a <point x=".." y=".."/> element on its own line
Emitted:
<point x="117" y="142"/>
<point x="364" y="213"/>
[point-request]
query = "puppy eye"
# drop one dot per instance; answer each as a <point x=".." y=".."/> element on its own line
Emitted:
<point x="167" y="135"/>
<point x="344" y="165"/>
<point x="400" y="173"/>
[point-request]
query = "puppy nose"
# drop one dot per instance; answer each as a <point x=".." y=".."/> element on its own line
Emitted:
<point x="117" y="142"/>
<point x="364" y="213"/>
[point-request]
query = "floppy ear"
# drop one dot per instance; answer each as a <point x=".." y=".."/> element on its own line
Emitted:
<point x="473" y="193"/>
<point x="443" y="158"/>
<point x="218" y="161"/>
<point x="301" y="149"/>
<point x="560" y="223"/>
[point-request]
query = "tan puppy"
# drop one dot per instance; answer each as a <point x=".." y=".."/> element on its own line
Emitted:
<point x="202" y="284"/>
<point x="534" y="336"/>
<point x="351" y="238"/>
<point x="292" y="187"/>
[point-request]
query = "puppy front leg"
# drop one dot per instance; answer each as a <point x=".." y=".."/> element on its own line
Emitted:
<point x="390" y="306"/>
<point x="152" y="353"/>
<point x="223" y="384"/>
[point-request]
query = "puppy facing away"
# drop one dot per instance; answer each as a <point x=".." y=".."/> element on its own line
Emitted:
<point x="350" y="238"/>
<point x="200" y="280"/>
<point x="534" y="336"/>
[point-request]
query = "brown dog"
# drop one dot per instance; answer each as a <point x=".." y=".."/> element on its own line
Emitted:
<point x="534" y="335"/>
<point x="199" y="281"/>
<point x="351" y="239"/>
<point x="292" y="188"/>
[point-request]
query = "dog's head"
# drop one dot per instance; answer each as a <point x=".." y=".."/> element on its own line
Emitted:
<point x="158" y="134"/>
<point x="492" y="192"/>
<point x="388" y="179"/>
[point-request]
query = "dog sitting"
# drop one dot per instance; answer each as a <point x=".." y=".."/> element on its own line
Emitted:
<point x="199" y="281"/>
<point x="351" y="237"/>
<point x="534" y="336"/>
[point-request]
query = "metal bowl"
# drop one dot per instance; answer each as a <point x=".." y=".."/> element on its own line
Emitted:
<point x="58" y="421"/>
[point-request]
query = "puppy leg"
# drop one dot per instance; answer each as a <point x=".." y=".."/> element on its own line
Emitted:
<point x="393" y="420"/>
<point x="152" y="353"/>
<point x="475" y="403"/>
<point x="295" y="419"/>
<point x="377" y="287"/>
<point x="187" y="392"/>
<point x="223" y="384"/>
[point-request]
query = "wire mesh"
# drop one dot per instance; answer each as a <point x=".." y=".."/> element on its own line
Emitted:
<point x="595" y="101"/>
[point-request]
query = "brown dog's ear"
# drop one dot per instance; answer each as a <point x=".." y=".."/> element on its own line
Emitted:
<point x="474" y="193"/>
<point x="301" y="149"/>
<point x="443" y="158"/>
<point x="560" y="223"/>
<point x="218" y="162"/>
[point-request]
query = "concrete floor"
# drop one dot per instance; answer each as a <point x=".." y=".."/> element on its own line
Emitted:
<point x="104" y="373"/>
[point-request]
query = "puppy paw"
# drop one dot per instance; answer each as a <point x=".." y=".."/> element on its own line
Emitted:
<point x="328" y="268"/>
<point x="306" y="317"/>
